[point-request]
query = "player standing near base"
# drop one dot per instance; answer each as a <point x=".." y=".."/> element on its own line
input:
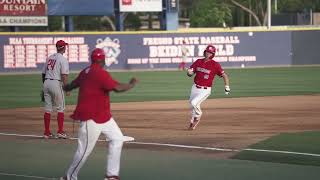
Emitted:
<point x="55" y="74"/>
<point x="93" y="111"/>
<point x="205" y="69"/>
<point x="184" y="53"/>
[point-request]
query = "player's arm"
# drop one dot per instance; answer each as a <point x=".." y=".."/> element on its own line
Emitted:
<point x="74" y="84"/>
<point x="122" y="87"/>
<point x="43" y="77"/>
<point x="44" y="69"/>
<point x="109" y="84"/>
<point x="191" y="70"/>
<point x="41" y="92"/>
<point x="64" y="72"/>
<point x="226" y="82"/>
<point x="64" y="79"/>
<point x="71" y="86"/>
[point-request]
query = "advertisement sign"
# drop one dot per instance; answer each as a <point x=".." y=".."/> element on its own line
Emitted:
<point x="140" y="5"/>
<point x="23" y="13"/>
<point x="145" y="51"/>
<point x="172" y="5"/>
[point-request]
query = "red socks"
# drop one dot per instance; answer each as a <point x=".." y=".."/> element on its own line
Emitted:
<point x="46" y="118"/>
<point x="60" y="119"/>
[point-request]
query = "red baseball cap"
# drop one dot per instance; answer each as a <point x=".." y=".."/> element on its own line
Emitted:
<point x="97" y="55"/>
<point x="61" y="43"/>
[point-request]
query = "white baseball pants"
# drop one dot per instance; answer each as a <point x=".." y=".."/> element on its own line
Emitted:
<point x="53" y="96"/>
<point x="197" y="96"/>
<point x="88" y="135"/>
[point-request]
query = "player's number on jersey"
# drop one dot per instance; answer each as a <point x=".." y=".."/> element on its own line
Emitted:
<point x="51" y="64"/>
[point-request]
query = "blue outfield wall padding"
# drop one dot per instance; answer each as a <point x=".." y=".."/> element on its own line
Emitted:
<point x="126" y="51"/>
<point x="80" y="7"/>
<point x="305" y="45"/>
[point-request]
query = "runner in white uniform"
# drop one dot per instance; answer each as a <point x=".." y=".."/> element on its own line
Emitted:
<point x="55" y="74"/>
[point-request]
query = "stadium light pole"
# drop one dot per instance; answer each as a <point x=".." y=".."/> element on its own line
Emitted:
<point x="269" y="14"/>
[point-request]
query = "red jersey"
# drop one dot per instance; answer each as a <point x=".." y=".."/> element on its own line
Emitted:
<point x="94" y="83"/>
<point x="205" y="71"/>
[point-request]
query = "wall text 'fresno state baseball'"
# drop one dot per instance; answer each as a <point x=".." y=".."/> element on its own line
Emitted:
<point x="191" y="40"/>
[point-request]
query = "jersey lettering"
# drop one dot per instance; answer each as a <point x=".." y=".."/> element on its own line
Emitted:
<point x="206" y="71"/>
<point x="203" y="70"/>
<point x="51" y="64"/>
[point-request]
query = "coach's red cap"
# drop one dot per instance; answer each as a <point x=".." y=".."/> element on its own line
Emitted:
<point x="61" y="43"/>
<point x="97" y="55"/>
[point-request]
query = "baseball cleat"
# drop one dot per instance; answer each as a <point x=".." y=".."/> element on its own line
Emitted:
<point x="112" y="178"/>
<point x="48" y="135"/>
<point x="63" y="178"/>
<point x="128" y="138"/>
<point x="62" y="135"/>
<point x="194" y="124"/>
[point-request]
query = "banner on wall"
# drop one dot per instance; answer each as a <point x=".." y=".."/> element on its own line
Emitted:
<point x="169" y="49"/>
<point x="27" y="52"/>
<point x="143" y="51"/>
<point x="140" y="5"/>
<point x="23" y="13"/>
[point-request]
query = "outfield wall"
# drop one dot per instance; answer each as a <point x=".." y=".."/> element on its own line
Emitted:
<point x="126" y="51"/>
<point x="305" y="47"/>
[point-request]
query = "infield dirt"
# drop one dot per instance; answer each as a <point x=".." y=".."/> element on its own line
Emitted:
<point x="232" y="123"/>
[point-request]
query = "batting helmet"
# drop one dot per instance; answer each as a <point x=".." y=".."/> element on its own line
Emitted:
<point x="98" y="55"/>
<point x="210" y="49"/>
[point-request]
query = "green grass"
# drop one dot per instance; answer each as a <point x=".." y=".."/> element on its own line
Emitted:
<point x="51" y="159"/>
<point x="303" y="142"/>
<point x="24" y="90"/>
<point x="44" y="158"/>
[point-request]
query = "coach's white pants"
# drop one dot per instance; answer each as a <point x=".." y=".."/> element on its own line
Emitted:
<point x="53" y="95"/>
<point x="88" y="135"/>
<point x="197" y="96"/>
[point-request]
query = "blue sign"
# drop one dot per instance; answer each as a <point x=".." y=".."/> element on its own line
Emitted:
<point x="25" y="52"/>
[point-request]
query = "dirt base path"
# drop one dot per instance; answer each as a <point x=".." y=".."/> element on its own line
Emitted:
<point x="226" y="123"/>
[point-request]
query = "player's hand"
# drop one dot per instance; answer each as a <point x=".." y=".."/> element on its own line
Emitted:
<point x="190" y="72"/>
<point x="133" y="81"/>
<point x="227" y="90"/>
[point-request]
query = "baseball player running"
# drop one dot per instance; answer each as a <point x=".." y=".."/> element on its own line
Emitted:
<point x="93" y="111"/>
<point x="205" y="70"/>
<point x="55" y="74"/>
